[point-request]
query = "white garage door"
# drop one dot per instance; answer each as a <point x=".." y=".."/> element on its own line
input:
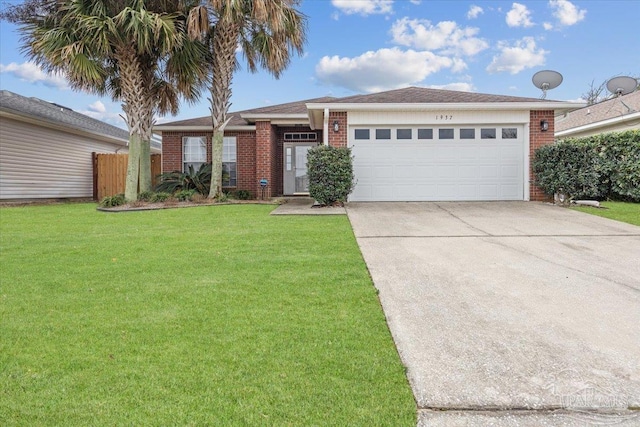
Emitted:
<point x="437" y="164"/>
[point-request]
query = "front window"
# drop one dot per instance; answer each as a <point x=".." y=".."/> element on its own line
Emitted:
<point x="229" y="162"/>
<point x="194" y="152"/>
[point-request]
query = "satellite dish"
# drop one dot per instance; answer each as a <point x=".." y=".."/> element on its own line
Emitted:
<point x="622" y="85"/>
<point x="546" y="80"/>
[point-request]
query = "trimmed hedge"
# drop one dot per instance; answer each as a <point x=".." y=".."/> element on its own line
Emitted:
<point x="330" y="171"/>
<point x="605" y="166"/>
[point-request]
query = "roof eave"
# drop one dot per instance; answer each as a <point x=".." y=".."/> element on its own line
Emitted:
<point x="423" y="106"/>
<point x="27" y="118"/>
<point x="600" y="124"/>
<point x="188" y="128"/>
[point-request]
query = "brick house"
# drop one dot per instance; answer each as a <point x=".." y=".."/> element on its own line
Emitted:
<point x="410" y="144"/>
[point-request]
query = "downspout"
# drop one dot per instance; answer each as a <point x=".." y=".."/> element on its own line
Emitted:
<point x="325" y="127"/>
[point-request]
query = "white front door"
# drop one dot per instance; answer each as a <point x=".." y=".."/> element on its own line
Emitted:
<point x="296" y="179"/>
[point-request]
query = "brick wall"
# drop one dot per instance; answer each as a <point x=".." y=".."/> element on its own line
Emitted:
<point x="246" y="151"/>
<point x="538" y="138"/>
<point x="338" y="139"/>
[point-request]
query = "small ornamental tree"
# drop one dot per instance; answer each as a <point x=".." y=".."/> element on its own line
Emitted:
<point x="330" y="171"/>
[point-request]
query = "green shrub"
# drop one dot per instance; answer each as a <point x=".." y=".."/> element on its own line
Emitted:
<point x="145" y="196"/>
<point x="184" y="195"/>
<point x="113" y="201"/>
<point x="330" y="171"/>
<point x="160" y="197"/>
<point x="605" y="166"/>
<point x="570" y="168"/>
<point x="200" y="180"/>
<point x="242" y="194"/>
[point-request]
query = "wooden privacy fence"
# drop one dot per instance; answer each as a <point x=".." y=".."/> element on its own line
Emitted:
<point x="110" y="173"/>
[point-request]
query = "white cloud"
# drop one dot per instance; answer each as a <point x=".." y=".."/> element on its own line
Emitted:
<point x="459" y="86"/>
<point x="31" y="72"/>
<point x="364" y="7"/>
<point x="97" y="107"/>
<point x="519" y="16"/>
<point x="380" y="70"/>
<point x="474" y="12"/>
<point x="458" y="65"/>
<point x="416" y="1"/>
<point x="547" y="26"/>
<point x="566" y="12"/>
<point x="513" y="59"/>
<point x="445" y="36"/>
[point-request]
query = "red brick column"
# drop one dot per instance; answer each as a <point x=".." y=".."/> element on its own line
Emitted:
<point x="538" y="138"/>
<point x="265" y="153"/>
<point x="338" y="139"/>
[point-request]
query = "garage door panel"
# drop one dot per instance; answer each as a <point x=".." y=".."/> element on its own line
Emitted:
<point x="422" y="170"/>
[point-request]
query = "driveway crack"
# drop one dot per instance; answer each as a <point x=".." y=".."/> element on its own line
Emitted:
<point x="462" y="220"/>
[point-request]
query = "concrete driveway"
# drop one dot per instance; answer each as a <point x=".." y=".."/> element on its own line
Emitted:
<point x="509" y="313"/>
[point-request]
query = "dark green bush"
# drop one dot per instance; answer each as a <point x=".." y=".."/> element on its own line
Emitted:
<point x="605" y="166"/>
<point x="185" y="195"/>
<point x="113" y="201"/>
<point x="242" y="194"/>
<point x="145" y="196"/>
<point x="330" y="171"/>
<point x="160" y="197"/>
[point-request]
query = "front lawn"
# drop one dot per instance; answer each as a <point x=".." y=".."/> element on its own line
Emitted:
<point x="219" y="315"/>
<point x="620" y="211"/>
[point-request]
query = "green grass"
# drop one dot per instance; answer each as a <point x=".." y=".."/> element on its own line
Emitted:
<point x="217" y="315"/>
<point x="620" y="211"/>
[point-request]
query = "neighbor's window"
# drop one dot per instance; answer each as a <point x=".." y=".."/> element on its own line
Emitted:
<point x="467" y="133"/>
<point x="509" y="133"/>
<point x="425" y="133"/>
<point x="445" y="133"/>
<point x="362" y="134"/>
<point x="488" y="133"/>
<point x="229" y="161"/>
<point x="383" y="133"/>
<point x="194" y="152"/>
<point x="404" y="134"/>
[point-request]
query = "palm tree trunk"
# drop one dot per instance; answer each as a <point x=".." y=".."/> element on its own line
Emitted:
<point x="133" y="169"/>
<point x="225" y="40"/>
<point x="138" y="117"/>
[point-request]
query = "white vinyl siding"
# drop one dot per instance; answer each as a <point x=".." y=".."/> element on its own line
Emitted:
<point x="42" y="163"/>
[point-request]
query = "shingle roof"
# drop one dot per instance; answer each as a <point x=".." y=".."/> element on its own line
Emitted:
<point x="412" y="94"/>
<point x="605" y="110"/>
<point x="297" y="107"/>
<point x="57" y="114"/>
<point x="425" y="95"/>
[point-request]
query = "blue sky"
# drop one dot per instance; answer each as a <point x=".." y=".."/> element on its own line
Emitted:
<point x="362" y="46"/>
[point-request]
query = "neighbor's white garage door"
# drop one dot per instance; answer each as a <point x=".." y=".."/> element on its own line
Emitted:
<point x="437" y="164"/>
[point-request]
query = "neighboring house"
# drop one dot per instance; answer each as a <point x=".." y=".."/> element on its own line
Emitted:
<point x="409" y="144"/>
<point x="613" y="115"/>
<point x="45" y="148"/>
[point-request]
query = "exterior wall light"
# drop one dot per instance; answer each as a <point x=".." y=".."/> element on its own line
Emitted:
<point x="336" y="126"/>
<point x="544" y="125"/>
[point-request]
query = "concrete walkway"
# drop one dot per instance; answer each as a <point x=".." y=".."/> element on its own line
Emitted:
<point x="509" y="313"/>
<point x="305" y="206"/>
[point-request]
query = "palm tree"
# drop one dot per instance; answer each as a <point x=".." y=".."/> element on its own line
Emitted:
<point x="135" y="51"/>
<point x="269" y="32"/>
